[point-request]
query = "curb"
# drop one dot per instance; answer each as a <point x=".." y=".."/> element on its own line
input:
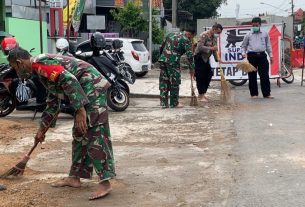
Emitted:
<point x="141" y="95"/>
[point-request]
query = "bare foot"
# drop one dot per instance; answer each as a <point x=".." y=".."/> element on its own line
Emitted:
<point x="102" y="190"/>
<point x="179" y="106"/>
<point x="204" y="99"/>
<point x="68" y="181"/>
<point x="254" y="97"/>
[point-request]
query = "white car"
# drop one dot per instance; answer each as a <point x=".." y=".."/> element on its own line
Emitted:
<point x="135" y="53"/>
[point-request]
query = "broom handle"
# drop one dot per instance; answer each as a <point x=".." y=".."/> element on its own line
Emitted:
<point x="44" y="132"/>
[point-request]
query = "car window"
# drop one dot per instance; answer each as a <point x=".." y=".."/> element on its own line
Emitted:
<point x="138" y="46"/>
<point x="84" y="47"/>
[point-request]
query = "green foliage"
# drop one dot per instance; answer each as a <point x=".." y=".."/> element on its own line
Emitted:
<point x="130" y="18"/>
<point x="155" y="55"/>
<point x="157" y="33"/>
<point x="199" y="8"/>
<point x="131" y="21"/>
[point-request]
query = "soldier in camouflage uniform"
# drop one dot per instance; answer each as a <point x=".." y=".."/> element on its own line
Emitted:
<point x="69" y="78"/>
<point x="173" y="47"/>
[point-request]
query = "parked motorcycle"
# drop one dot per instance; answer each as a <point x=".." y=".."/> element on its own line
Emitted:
<point x="9" y="82"/>
<point x="35" y="92"/>
<point x="116" y="71"/>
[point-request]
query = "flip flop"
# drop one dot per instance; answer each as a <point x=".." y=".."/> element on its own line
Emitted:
<point x="91" y="198"/>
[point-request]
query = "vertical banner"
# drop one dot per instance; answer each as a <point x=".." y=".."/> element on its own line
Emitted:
<point x="229" y="46"/>
<point x="78" y="13"/>
<point x="72" y="4"/>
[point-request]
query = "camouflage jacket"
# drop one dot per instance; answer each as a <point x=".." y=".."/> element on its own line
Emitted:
<point x="67" y="78"/>
<point x="174" y="46"/>
<point x="203" y="45"/>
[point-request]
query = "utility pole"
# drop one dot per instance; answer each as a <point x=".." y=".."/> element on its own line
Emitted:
<point x="292" y="14"/>
<point x="174" y="13"/>
<point x="150" y="29"/>
<point x="40" y="27"/>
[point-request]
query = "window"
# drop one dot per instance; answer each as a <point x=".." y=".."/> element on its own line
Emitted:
<point x="138" y="46"/>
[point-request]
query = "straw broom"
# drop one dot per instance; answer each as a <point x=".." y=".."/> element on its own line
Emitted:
<point x="19" y="168"/>
<point x="225" y="88"/>
<point x="194" y="101"/>
<point x="245" y="66"/>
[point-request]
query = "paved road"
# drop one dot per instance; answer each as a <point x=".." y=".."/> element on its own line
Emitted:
<point x="270" y="149"/>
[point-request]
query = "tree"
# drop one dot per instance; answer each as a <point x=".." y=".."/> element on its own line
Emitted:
<point x="199" y="8"/>
<point x="130" y="18"/>
<point x="131" y="21"/>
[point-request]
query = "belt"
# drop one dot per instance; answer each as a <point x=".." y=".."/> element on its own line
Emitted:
<point x="256" y="53"/>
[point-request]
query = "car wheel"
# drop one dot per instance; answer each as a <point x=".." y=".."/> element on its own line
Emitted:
<point x="141" y="74"/>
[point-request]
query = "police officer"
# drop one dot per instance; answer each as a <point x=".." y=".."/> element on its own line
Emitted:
<point x="254" y="47"/>
<point x="207" y="45"/>
<point x="173" y="47"/>
<point x="69" y="78"/>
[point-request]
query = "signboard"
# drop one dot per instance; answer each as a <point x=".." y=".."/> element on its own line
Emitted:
<point x="95" y="22"/>
<point x="229" y="46"/>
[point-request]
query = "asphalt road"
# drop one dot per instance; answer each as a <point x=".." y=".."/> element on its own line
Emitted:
<point x="270" y="155"/>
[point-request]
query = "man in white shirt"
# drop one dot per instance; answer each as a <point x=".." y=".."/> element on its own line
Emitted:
<point x="254" y="48"/>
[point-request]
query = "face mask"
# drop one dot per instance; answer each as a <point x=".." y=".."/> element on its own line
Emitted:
<point x="255" y="29"/>
<point x="216" y="35"/>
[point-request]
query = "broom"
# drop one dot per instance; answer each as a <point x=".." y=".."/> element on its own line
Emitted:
<point x="225" y="88"/>
<point x="18" y="169"/>
<point x="194" y="101"/>
<point x="245" y="66"/>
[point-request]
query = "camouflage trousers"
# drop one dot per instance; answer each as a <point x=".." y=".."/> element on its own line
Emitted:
<point x="169" y="81"/>
<point x="93" y="151"/>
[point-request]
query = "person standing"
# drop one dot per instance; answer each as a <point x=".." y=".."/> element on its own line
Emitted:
<point x="173" y="47"/>
<point x="254" y="48"/>
<point x="69" y="78"/>
<point x="206" y="46"/>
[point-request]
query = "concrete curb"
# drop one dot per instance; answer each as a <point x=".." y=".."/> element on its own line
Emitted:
<point x="139" y="95"/>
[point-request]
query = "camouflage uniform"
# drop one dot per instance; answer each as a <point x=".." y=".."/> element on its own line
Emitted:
<point x="67" y="78"/>
<point x="173" y="47"/>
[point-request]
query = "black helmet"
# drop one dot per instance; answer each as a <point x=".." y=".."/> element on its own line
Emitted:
<point x="97" y="41"/>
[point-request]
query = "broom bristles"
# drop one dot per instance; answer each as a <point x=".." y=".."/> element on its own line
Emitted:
<point x="245" y="66"/>
<point x="17" y="169"/>
<point x="225" y="88"/>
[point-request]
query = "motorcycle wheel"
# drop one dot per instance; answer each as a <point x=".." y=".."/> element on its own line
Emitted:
<point x="7" y="104"/>
<point x="115" y="102"/>
<point x="238" y="82"/>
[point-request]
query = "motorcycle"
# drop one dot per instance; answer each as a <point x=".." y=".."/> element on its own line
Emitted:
<point x="9" y="82"/>
<point x="111" y="64"/>
<point x="9" y="101"/>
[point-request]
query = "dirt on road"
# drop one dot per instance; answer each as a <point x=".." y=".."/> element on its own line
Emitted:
<point x="163" y="158"/>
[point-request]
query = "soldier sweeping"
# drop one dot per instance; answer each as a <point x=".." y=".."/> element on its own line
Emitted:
<point x="173" y="47"/>
<point x="85" y="88"/>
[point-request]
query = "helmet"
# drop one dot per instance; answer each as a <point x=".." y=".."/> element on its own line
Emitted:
<point x="97" y="41"/>
<point x="7" y="44"/>
<point x="62" y="44"/>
